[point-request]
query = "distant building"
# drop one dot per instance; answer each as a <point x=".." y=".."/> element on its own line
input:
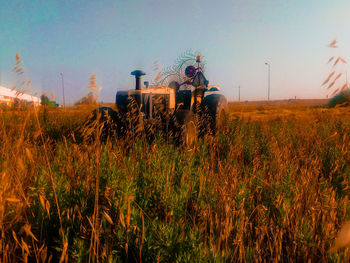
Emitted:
<point x="10" y="97"/>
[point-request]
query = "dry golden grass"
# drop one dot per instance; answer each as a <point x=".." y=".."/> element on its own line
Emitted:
<point x="273" y="186"/>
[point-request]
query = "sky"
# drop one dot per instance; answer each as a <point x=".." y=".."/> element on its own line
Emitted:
<point x="112" y="38"/>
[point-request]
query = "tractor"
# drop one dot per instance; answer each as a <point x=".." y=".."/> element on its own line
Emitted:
<point x="189" y="109"/>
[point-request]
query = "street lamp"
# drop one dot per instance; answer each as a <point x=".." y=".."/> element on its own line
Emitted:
<point x="64" y="99"/>
<point x="239" y="93"/>
<point x="268" y="87"/>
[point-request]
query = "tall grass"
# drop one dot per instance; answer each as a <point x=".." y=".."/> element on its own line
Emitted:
<point x="341" y="99"/>
<point x="273" y="188"/>
<point x="340" y="91"/>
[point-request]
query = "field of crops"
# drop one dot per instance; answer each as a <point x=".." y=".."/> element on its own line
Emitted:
<point x="272" y="186"/>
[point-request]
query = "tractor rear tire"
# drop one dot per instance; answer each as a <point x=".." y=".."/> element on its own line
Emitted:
<point x="221" y="116"/>
<point x="189" y="129"/>
<point x="217" y="111"/>
<point x="190" y="133"/>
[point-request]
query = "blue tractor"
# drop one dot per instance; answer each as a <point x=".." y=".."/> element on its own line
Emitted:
<point x="188" y="109"/>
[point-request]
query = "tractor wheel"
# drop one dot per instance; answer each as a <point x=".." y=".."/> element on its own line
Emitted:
<point x="189" y="130"/>
<point x="221" y="116"/>
<point x="104" y="121"/>
<point x="216" y="108"/>
<point x="190" y="133"/>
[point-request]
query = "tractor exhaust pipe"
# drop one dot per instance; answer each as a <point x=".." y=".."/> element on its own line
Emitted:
<point x="138" y="74"/>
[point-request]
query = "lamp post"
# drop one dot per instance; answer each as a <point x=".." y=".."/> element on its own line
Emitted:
<point x="268" y="87"/>
<point x="64" y="99"/>
<point x="239" y="93"/>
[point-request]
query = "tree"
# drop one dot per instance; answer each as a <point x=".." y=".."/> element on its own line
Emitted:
<point x="44" y="100"/>
<point x="92" y="96"/>
<point x="89" y="99"/>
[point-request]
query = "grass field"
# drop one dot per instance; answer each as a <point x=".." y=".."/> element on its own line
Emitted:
<point x="272" y="186"/>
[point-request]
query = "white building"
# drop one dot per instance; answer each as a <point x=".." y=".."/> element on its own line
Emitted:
<point x="8" y="96"/>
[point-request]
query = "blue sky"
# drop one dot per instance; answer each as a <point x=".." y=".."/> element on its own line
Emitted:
<point x="112" y="38"/>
